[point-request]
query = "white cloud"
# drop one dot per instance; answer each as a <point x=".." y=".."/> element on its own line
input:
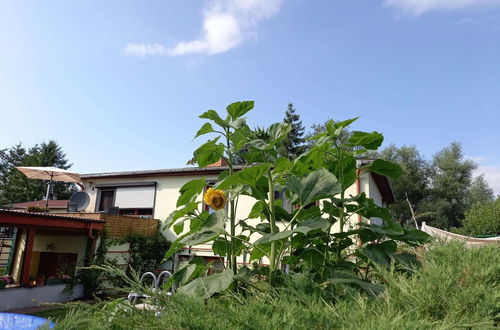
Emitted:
<point x="492" y="175"/>
<point x="226" y="24"/>
<point x="418" y="7"/>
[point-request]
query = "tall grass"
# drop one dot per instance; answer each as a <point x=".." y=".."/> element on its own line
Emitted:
<point x="457" y="288"/>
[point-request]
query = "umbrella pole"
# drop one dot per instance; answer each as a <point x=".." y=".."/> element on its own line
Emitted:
<point x="48" y="193"/>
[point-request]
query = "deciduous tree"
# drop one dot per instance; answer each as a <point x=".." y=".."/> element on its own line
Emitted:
<point x="15" y="187"/>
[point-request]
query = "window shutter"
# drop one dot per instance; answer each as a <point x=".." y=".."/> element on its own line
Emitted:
<point x="135" y="197"/>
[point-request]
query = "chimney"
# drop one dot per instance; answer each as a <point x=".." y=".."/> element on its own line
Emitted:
<point x="221" y="162"/>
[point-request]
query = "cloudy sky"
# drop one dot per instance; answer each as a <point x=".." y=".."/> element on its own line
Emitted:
<point x="119" y="84"/>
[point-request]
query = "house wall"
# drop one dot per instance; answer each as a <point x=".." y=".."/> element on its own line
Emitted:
<point x="16" y="298"/>
<point x="374" y="193"/>
<point x="61" y="244"/>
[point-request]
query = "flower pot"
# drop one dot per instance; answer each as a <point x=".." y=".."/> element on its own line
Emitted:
<point x="40" y="280"/>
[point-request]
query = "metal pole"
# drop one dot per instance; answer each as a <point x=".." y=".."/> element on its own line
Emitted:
<point x="48" y="192"/>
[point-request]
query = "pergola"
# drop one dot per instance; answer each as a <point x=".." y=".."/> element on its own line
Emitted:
<point x="45" y="222"/>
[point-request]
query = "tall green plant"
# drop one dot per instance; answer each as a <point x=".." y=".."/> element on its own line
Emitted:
<point x="315" y="184"/>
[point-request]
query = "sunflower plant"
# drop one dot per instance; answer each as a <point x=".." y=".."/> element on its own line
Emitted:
<point x="324" y="231"/>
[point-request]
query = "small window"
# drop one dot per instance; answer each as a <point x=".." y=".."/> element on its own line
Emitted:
<point x="106" y="200"/>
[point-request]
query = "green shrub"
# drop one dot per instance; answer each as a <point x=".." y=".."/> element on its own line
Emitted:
<point x="37" y="209"/>
<point x="482" y="219"/>
<point x="457" y="288"/>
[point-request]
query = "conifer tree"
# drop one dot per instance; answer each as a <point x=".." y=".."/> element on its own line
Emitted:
<point x="293" y="146"/>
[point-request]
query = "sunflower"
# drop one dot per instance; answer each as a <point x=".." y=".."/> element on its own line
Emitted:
<point x="215" y="198"/>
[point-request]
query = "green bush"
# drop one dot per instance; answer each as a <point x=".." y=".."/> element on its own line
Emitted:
<point x="457" y="288"/>
<point x="146" y="251"/>
<point x="482" y="219"/>
<point x="37" y="209"/>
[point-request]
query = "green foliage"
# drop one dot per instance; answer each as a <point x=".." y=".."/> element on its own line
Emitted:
<point x="457" y="288"/>
<point x="480" y="192"/>
<point x="451" y="181"/>
<point x="439" y="192"/>
<point x="482" y="219"/>
<point x="301" y="236"/>
<point x="32" y="208"/>
<point x="91" y="278"/>
<point x="146" y="252"/>
<point x="294" y="144"/>
<point x="15" y="187"/>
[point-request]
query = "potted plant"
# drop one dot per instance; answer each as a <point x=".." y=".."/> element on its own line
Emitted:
<point x="40" y="280"/>
<point x="4" y="281"/>
<point x="31" y="282"/>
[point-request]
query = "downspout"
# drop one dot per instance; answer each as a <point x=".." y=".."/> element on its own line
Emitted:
<point x="91" y="236"/>
<point x="358" y="191"/>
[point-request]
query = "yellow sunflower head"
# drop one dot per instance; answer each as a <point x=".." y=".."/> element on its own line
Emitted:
<point x="215" y="198"/>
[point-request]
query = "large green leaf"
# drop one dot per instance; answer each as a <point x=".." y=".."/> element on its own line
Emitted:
<point x="274" y="237"/>
<point x="303" y="227"/>
<point x="209" y="230"/>
<point x="177" y="214"/>
<point x="209" y="153"/>
<point x="345" y="170"/>
<point x="308" y="225"/>
<point x="205" y="129"/>
<point x="220" y="246"/>
<point x="257" y="210"/>
<point x="186" y="272"/>
<point x="384" y="167"/>
<point x="370" y="141"/>
<point x="249" y="175"/>
<point x="179" y="227"/>
<point x="282" y="164"/>
<point x="388" y="228"/>
<point x="258" y="144"/>
<point x="279" y="131"/>
<point x="238" y="109"/>
<point x="206" y="286"/>
<point x="190" y="189"/>
<point x="214" y="116"/>
<point x="201" y="236"/>
<point x="317" y="185"/>
<point x="412" y="236"/>
<point x="367" y="208"/>
<point x="376" y="254"/>
<point x="341" y="277"/>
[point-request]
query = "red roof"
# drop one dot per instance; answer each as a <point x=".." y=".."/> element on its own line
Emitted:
<point x="53" y="204"/>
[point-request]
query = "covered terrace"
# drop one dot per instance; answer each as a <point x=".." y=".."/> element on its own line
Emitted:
<point x="36" y="247"/>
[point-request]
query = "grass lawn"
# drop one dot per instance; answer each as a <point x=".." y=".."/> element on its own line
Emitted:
<point x="457" y="288"/>
<point x="54" y="313"/>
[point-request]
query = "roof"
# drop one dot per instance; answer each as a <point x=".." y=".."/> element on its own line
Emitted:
<point x="55" y="216"/>
<point x="53" y="204"/>
<point x="184" y="171"/>
<point x="19" y="218"/>
<point x="381" y="181"/>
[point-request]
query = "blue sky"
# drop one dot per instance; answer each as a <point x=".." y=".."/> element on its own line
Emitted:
<point x="119" y="84"/>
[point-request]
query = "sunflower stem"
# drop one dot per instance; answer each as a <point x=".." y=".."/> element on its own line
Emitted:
<point x="232" y="210"/>
<point x="272" y="220"/>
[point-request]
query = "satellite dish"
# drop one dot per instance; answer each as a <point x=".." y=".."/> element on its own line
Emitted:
<point x="79" y="201"/>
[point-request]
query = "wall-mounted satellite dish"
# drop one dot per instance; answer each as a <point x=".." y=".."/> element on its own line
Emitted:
<point x="78" y="201"/>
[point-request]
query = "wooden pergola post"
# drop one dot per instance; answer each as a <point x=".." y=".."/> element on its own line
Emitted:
<point x="28" y="251"/>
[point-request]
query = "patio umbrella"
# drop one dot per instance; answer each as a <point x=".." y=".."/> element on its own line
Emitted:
<point x="51" y="174"/>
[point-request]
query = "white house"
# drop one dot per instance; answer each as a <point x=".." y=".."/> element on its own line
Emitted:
<point x="154" y="193"/>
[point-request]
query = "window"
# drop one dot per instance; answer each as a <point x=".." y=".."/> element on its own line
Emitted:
<point x="106" y="199"/>
<point x="135" y="197"/>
